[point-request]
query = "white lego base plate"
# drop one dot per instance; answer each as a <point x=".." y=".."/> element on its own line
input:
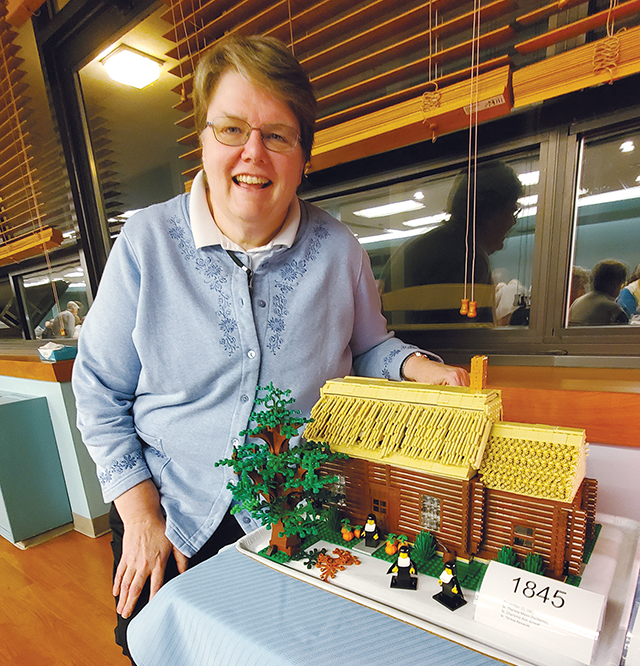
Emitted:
<point x="612" y="571"/>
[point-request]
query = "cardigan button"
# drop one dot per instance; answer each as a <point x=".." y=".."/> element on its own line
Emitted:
<point x="251" y="353"/>
<point x="261" y="303"/>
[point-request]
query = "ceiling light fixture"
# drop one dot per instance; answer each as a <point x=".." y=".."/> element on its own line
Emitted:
<point x="610" y="197"/>
<point x="392" y="234"/>
<point x="132" y="67"/>
<point x="529" y="178"/>
<point x="627" y="147"/>
<point x="531" y="200"/>
<point x="429" y="221"/>
<point x="390" y="209"/>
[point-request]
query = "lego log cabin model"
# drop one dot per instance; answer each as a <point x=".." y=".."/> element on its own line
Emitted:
<point x="435" y="465"/>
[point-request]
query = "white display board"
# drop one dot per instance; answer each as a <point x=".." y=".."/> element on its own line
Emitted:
<point x="611" y="572"/>
<point x="547" y="612"/>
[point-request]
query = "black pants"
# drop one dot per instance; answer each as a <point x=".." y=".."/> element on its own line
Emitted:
<point x="228" y="531"/>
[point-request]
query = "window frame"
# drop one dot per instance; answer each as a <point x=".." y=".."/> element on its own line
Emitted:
<point x="422" y="512"/>
<point x="591" y="340"/>
<point x="546" y="337"/>
<point x="526" y="535"/>
<point x="67" y="40"/>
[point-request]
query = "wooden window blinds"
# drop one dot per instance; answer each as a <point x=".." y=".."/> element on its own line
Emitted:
<point x="35" y="205"/>
<point x="375" y="64"/>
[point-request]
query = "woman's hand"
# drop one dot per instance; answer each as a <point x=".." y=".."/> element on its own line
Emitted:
<point x="145" y="548"/>
<point x="420" y="369"/>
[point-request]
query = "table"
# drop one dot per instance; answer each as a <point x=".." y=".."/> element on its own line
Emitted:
<point x="233" y="611"/>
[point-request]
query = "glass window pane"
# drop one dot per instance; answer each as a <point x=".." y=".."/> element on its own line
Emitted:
<point x="606" y="249"/>
<point x="64" y="318"/>
<point x="134" y="136"/>
<point x="415" y="234"/>
<point x="430" y="513"/>
<point x="9" y="317"/>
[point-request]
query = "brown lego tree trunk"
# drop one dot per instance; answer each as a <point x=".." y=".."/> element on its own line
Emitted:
<point x="287" y="544"/>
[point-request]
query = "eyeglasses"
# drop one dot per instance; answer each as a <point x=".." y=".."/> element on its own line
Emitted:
<point x="236" y="132"/>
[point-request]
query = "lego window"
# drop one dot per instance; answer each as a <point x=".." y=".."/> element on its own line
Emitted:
<point x="379" y="506"/>
<point x="430" y="513"/>
<point x="340" y="488"/>
<point x="437" y="239"/>
<point x="523" y="536"/>
<point x="604" y="287"/>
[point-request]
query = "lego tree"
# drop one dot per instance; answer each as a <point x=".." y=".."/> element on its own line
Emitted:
<point x="276" y="483"/>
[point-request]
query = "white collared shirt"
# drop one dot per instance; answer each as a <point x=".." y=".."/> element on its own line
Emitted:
<point x="206" y="231"/>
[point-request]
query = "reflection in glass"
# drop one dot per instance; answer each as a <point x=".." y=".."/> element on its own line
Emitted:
<point x="415" y="232"/>
<point x="607" y="233"/>
<point x="47" y="318"/>
<point x="9" y="317"/>
<point x="134" y="137"/>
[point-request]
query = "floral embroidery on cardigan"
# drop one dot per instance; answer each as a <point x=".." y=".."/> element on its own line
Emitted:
<point x="129" y="461"/>
<point x="289" y="278"/>
<point x="213" y="274"/>
<point x="386" y="361"/>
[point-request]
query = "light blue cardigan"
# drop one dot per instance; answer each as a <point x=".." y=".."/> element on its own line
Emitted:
<point x="175" y="345"/>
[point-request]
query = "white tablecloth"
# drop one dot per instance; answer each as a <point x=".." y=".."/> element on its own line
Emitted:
<point x="233" y="611"/>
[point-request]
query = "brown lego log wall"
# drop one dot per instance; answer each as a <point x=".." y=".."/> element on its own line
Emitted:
<point x="453" y="495"/>
<point x="508" y="510"/>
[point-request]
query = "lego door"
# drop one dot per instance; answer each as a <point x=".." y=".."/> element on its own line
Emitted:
<point x="383" y="504"/>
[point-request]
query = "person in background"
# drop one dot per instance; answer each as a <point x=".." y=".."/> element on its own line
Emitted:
<point x="629" y="297"/>
<point x="64" y="323"/>
<point x="580" y="280"/>
<point x="270" y="288"/>
<point x="439" y="256"/>
<point x="599" y="307"/>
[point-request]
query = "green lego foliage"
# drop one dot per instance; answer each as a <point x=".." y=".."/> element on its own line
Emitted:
<point x="334" y="518"/>
<point x="276" y="415"/>
<point x="278" y="484"/>
<point x="403" y="540"/>
<point x="534" y="564"/>
<point x="424" y="548"/>
<point x="508" y="556"/>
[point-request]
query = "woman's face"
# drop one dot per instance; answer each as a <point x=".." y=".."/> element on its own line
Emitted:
<point x="250" y="187"/>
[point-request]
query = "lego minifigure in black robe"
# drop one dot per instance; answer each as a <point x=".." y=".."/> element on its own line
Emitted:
<point x="370" y="532"/>
<point x="404" y="570"/>
<point x="451" y="593"/>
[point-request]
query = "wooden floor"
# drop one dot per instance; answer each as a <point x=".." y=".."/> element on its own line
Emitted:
<point x="56" y="606"/>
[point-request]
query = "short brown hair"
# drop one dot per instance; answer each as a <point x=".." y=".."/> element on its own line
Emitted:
<point x="267" y="62"/>
<point x="609" y="275"/>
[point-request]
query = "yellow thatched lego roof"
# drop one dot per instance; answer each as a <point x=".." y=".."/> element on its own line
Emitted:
<point x="535" y="460"/>
<point x="450" y="431"/>
<point x="438" y="429"/>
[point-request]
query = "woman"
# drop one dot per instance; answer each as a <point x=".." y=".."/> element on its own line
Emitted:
<point x="234" y="286"/>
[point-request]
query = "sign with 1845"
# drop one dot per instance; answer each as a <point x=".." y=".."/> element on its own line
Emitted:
<point x="557" y="616"/>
